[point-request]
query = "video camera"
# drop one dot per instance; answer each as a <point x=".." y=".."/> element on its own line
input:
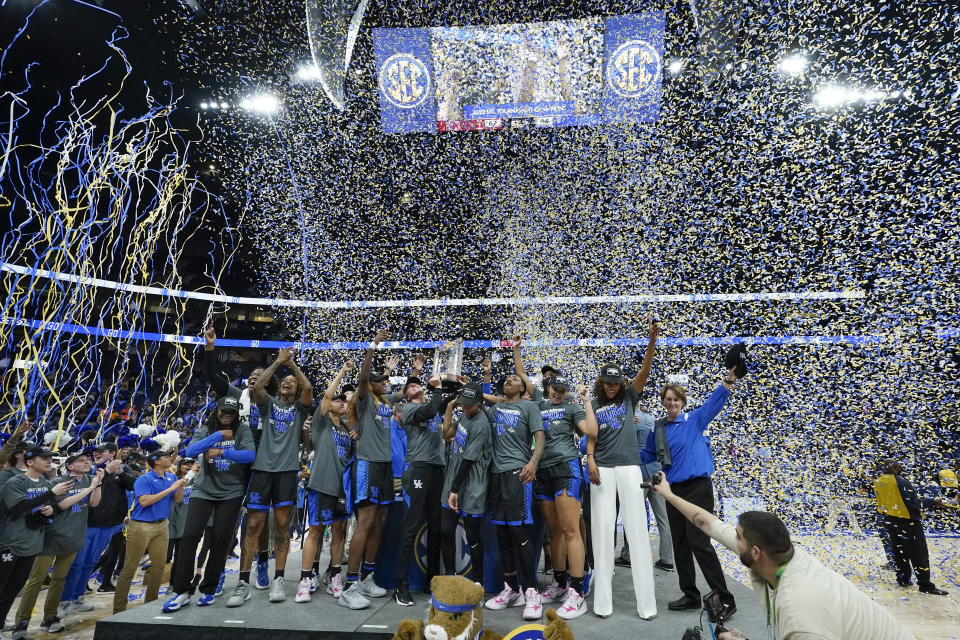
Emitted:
<point x="714" y="609"/>
<point x="654" y="480"/>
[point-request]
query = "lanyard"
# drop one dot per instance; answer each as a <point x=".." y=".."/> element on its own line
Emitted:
<point x="772" y="608"/>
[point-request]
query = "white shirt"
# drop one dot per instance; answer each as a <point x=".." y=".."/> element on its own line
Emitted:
<point x="812" y="602"/>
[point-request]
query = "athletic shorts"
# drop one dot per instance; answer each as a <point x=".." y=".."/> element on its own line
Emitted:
<point x="271" y="489"/>
<point x="510" y="500"/>
<point x="325" y="509"/>
<point x="372" y="482"/>
<point x="557" y="478"/>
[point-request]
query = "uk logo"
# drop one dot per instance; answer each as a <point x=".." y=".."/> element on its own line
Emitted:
<point x="404" y="81"/>
<point x="633" y="70"/>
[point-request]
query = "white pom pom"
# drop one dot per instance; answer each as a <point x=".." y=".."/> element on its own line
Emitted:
<point x="145" y="430"/>
<point x="51" y="436"/>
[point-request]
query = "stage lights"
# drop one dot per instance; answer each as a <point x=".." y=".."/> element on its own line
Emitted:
<point x="308" y="73"/>
<point x="214" y="104"/>
<point x="676" y="66"/>
<point x="261" y="103"/>
<point x="793" y="65"/>
<point x="833" y="96"/>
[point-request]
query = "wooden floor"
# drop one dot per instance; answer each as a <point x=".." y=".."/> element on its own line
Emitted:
<point x="859" y="558"/>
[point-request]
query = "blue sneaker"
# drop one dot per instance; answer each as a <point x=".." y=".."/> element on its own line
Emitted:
<point x="178" y="600"/>
<point x="219" y="590"/>
<point x="587" y="581"/>
<point x="205" y="600"/>
<point x="263" y="575"/>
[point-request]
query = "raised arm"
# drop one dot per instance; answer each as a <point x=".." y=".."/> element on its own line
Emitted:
<point x="66" y="503"/>
<point x="217" y="380"/>
<point x="641" y="379"/>
<point x="363" y="385"/>
<point x="306" y="388"/>
<point x="331" y="391"/>
<point x="449" y="429"/>
<point x="587" y="426"/>
<point x="257" y="393"/>
<point x="518" y="367"/>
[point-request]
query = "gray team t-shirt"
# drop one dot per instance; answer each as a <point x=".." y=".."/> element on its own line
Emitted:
<point x="279" y="448"/>
<point x="333" y="450"/>
<point x="69" y="529"/>
<point x="560" y="426"/>
<point x="470" y="442"/>
<point x="219" y="478"/>
<point x="425" y="438"/>
<point x="513" y="426"/>
<point x="617" y="435"/>
<point x="17" y="537"/>
<point x="373" y="423"/>
<point x="178" y="513"/>
<point x="9" y="473"/>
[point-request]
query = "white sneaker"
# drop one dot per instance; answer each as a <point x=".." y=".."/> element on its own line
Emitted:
<point x="573" y="607"/>
<point x="370" y="589"/>
<point x="314" y="582"/>
<point x="351" y="598"/>
<point x="532" y="607"/>
<point x="79" y="606"/>
<point x="335" y="586"/>
<point x="555" y="593"/>
<point x="240" y="595"/>
<point x="506" y="598"/>
<point x="303" y="590"/>
<point x="277" y="591"/>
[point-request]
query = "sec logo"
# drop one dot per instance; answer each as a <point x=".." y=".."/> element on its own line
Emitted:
<point x="462" y="554"/>
<point x="633" y="68"/>
<point x="404" y="81"/>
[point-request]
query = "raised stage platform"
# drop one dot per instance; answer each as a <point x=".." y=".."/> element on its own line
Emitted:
<point x="324" y="619"/>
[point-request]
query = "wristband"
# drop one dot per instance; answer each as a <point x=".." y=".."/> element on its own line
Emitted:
<point x="589" y="455"/>
<point x="730" y="381"/>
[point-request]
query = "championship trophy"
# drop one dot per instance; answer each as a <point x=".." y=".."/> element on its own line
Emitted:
<point x="448" y="363"/>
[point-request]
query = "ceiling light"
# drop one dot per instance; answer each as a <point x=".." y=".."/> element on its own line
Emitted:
<point x="793" y="65"/>
<point x="676" y="66"/>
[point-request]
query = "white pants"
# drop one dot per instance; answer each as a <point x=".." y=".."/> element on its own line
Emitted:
<point x="603" y="518"/>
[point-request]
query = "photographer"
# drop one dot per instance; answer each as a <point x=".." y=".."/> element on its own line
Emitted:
<point x="803" y="599"/>
<point x="26" y="502"/>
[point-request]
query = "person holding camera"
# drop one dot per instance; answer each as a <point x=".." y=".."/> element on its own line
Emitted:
<point x="27" y="503"/>
<point x="61" y="541"/>
<point x="803" y="599"/>
<point x="149" y="530"/>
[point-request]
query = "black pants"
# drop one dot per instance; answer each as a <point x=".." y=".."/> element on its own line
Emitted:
<point x="224" y="520"/>
<point x="909" y="547"/>
<point x="423" y="485"/>
<point x="517" y="554"/>
<point x="205" y="547"/>
<point x="448" y="528"/>
<point x="111" y="562"/>
<point x="689" y="542"/>
<point x="14" y="572"/>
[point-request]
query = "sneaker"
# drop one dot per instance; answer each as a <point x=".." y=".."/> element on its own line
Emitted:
<point x="663" y="566"/>
<point x="178" y="600"/>
<point x="263" y="575"/>
<point x="532" y="607"/>
<point x="53" y="625"/>
<point x="555" y="593"/>
<point x="79" y="606"/>
<point x="19" y="631"/>
<point x="370" y="589"/>
<point x="352" y="598"/>
<point x="622" y="560"/>
<point x="325" y="579"/>
<point x="587" y="581"/>
<point x="314" y="582"/>
<point x="240" y="595"/>
<point x="574" y="606"/>
<point x="219" y="590"/>
<point x="277" y="592"/>
<point x="106" y="587"/>
<point x="402" y="595"/>
<point x="932" y="590"/>
<point x="303" y="590"/>
<point x="335" y="586"/>
<point x="206" y="599"/>
<point x="506" y="598"/>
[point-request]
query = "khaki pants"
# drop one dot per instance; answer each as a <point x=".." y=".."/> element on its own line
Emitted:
<point x="151" y="537"/>
<point x="41" y="565"/>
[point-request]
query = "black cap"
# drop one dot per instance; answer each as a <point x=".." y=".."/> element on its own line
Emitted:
<point x="340" y="396"/>
<point x="106" y="446"/>
<point x="228" y="403"/>
<point x="611" y="373"/>
<point x="560" y="382"/>
<point x="73" y="458"/>
<point x="156" y="455"/>
<point x="547" y="368"/>
<point x="347" y="388"/>
<point x="736" y="359"/>
<point x="379" y="377"/>
<point x="412" y="380"/>
<point x="183" y="461"/>
<point x="21" y="446"/>
<point x="472" y="394"/>
<point x="36" y="451"/>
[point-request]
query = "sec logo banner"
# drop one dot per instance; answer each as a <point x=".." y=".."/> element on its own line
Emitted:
<point x="404" y="81"/>
<point x="464" y="564"/>
<point x="633" y="68"/>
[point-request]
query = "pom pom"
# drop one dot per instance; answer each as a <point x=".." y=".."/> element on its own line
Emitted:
<point x="128" y="440"/>
<point x="148" y="445"/>
<point x="145" y="429"/>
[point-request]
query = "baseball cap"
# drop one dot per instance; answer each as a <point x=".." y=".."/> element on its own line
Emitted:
<point x="21" y="446"/>
<point x="340" y="396"/>
<point x="156" y="455"/>
<point x="378" y="377"/>
<point x="736" y="359"/>
<point x="228" y="403"/>
<point x="472" y="394"/>
<point x="79" y="454"/>
<point x="36" y="451"/>
<point x="611" y="373"/>
<point x="106" y="446"/>
<point x="560" y="382"/>
<point x="547" y="368"/>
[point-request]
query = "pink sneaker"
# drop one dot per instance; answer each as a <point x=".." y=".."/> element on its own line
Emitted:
<point x="573" y="607"/>
<point x="335" y="586"/>
<point x="506" y="598"/>
<point x="532" y="608"/>
<point x="303" y="590"/>
<point x="555" y="593"/>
